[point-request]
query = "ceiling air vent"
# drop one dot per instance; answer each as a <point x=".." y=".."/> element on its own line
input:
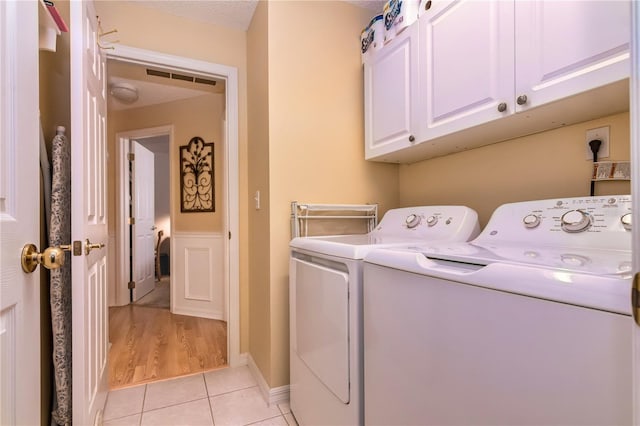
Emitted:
<point x="158" y="73"/>
<point x="180" y="77"/>
<point x="205" y="81"/>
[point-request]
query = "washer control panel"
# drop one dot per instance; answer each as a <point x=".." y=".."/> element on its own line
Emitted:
<point x="603" y="222"/>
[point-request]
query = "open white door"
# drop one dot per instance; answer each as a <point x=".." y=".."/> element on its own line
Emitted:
<point x="19" y="213"/>
<point x="634" y="119"/>
<point x="143" y="261"/>
<point x="88" y="215"/>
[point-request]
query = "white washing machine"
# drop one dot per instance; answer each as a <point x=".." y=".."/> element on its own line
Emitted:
<point x="326" y="310"/>
<point x="528" y="324"/>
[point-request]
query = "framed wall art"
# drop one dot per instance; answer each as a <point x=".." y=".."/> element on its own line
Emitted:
<point x="196" y="177"/>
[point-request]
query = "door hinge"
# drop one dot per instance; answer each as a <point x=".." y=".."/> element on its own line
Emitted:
<point x="131" y="285"/>
<point x="131" y="221"/>
<point x="131" y="156"/>
<point x="635" y="298"/>
<point x="77" y="248"/>
<point x="229" y="234"/>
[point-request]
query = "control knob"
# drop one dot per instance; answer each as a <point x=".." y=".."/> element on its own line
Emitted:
<point x="574" y="260"/>
<point x="531" y="221"/>
<point x="412" y="221"/>
<point x="626" y="221"/>
<point x="575" y="221"/>
<point x="432" y="220"/>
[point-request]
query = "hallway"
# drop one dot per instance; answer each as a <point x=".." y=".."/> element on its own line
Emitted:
<point x="150" y="344"/>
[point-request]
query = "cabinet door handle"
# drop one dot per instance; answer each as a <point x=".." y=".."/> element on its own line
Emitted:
<point x="502" y="106"/>
<point x="412" y="138"/>
<point x="522" y="99"/>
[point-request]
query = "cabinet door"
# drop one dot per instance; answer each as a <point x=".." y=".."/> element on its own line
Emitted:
<point x="568" y="47"/>
<point x="390" y="89"/>
<point x="467" y="51"/>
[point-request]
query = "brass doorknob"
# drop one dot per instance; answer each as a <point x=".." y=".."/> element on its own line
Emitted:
<point x="88" y="246"/>
<point x="50" y="258"/>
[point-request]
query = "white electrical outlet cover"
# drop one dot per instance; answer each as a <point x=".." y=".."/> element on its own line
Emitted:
<point x="601" y="133"/>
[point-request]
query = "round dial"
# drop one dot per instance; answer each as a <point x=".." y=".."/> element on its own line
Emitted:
<point x="432" y="220"/>
<point x="574" y="260"/>
<point x="412" y="221"/>
<point x="575" y="221"/>
<point x="626" y="221"/>
<point x="531" y="221"/>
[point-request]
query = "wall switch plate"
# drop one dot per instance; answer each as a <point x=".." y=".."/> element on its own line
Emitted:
<point x="601" y="133"/>
<point x="256" y="198"/>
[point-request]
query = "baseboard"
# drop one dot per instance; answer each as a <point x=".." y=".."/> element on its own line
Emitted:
<point x="201" y="313"/>
<point x="271" y="396"/>
<point x="243" y="359"/>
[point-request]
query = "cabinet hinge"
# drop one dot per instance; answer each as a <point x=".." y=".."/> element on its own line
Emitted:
<point x="131" y="221"/>
<point x="131" y="285"/>
<point x="229" y="234"/>
<point x="131" y="156"/>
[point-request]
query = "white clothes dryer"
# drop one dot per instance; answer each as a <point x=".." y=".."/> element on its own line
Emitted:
<point x="326" y="310"/>
<point x="528" y="324"/>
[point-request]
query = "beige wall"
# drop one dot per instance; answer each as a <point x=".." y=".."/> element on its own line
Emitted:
<point x="316" y="150"/>
<point x="201" y="116"/>
<point x="259" y="232"/>
<point x="551" y="164"/>
<point x="147" y="28"/>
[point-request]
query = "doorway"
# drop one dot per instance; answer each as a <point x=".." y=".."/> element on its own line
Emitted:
<point x="229" y="185"/>
<point x="160" y="295"/>
<point x="144" y="195"/>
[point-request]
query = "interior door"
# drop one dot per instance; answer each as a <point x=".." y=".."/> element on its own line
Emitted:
<point x="634" y="121"/>
<point x="89" y="217"/>
<point x="19" y="213"/>
<point x="143" y="261"/>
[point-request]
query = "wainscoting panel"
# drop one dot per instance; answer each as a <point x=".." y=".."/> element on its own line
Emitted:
<point x="197" y="275"/>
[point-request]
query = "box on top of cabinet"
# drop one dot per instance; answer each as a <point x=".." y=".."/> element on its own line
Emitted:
<point x="372" y="37"/>
<point x="398" y="15"/>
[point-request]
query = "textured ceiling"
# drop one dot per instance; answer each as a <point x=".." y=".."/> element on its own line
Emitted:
<point x="229" y="13"/>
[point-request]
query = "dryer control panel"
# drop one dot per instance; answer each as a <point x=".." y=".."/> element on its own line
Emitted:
<point x="596" y="222"/>
<point x="429" y="222"/>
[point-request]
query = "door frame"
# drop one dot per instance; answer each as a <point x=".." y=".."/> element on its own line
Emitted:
<point x="122" y="245"/>
<point x="230" y="189"/>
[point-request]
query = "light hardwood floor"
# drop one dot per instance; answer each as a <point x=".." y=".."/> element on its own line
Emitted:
<point x="150" y="344"/>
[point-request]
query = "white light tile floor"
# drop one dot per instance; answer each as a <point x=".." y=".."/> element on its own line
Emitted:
<point x="223" y="397"/>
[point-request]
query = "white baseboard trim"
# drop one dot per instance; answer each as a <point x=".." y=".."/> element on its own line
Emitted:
<point x="241" y="360"/>
<point x="272" y="396"/>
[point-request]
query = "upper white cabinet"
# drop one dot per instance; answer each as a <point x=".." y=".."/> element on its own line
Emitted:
<point x="391" y="82"/>
<point x="567" y="47"/>
<point x="466" y="49"/>
<point x="493" y="70"/>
